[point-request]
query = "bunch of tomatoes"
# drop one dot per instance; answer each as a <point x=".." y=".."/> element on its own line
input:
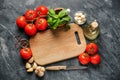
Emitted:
<point x="33" y="20"/>
<point x="90" y="55"/>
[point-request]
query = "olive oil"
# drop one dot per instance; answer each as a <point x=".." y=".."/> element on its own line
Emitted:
<point x="91" y="31"/>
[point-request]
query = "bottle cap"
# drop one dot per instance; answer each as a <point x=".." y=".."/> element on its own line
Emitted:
<point x="94" y="25"/>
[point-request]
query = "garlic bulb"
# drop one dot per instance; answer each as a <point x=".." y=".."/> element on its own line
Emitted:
<point x="40" y="71"/>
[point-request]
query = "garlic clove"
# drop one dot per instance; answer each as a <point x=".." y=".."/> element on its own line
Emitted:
<point x="40" y="74"/>
<point x="79" y="18"/>
<point x="34" y="66"/>
<point x="75" y="18"/>
<point x="76" y="14"/>
<point x="31" y="60"/>
<point x="42" y="69"/>
<point x="28" y="65"/>
<point x="79" y="21"/>
<point x="82" y="16"/>
<point x="38" y="67"/>
<point x="36" y="71"/>
<point x="30" y="70"/>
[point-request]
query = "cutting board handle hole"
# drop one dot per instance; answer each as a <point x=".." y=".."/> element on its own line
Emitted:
<point x="77" y="38"/>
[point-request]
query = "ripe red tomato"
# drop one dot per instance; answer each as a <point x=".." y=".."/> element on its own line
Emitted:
<point x="30" y="29"/>
<point x="84" y="58"/>
<point x="26" y="53"/>
<point x="30" y="15"/>
<point x="41" y="24"/>
<point x="42" y="11"/>
<point x="95" y="59"/>
<point x="21" y="22"/>
<point x="92" y="48"/>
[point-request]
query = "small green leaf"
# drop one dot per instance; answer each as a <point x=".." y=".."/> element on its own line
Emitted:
<point x="62" y="13"/>
<point x="54" y="21"/>
<point x="62" y="21"/>
<point x="49" y="20"/>
<point x="55" y="16"/>
<point x="67" y="18"/>
<point x="51" y="12"/>
<point x="56" y="24"/>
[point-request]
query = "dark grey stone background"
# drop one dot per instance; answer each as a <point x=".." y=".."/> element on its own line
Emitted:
<point x="107" y="12"/>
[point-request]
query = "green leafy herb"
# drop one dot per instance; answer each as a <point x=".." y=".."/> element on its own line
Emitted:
<point x="51" y="12"/>
<point x="54" y="20"/>
<point x="50" y="21"/>
<point x="56" y="24"/>
<point x="67" y="18"/>
<point x="62" y="13"/>
<point x="55" y="16"/>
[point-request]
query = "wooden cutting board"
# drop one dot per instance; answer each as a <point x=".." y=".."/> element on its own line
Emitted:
<point x="53" y="46"/>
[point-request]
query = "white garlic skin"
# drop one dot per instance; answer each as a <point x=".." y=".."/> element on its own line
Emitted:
<point x="30" y="70"/>
<point x="40" y="71"/>
<point x="40" y="74"/>
<point x="34" y="66"/>
<point x="28" y="65"/>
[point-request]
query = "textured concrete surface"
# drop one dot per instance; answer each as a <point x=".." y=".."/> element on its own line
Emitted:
<point x="12" y="67"/>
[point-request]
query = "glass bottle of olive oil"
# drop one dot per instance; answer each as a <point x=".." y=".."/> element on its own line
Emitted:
<point x="91" y="31"/>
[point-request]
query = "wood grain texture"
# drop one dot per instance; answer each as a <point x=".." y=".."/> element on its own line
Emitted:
<point x="56" y="45"/>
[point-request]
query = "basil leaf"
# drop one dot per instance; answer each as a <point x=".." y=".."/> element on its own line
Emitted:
<point x="62" y="21"/>
<point x="54" y="21"/>
<point x="55" y="16"/>
<point x="56" y="24"/>
<point x="51" y="12"/>
<point x="67" y="18"/>
<point x="62" y="13"/>
<point x="49" y="20"/>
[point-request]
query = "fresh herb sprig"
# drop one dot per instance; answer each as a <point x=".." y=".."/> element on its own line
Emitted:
<point x="54" y="20"/>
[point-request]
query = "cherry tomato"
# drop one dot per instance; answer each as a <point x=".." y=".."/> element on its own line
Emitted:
<point x="95" y="59"/>
<point x="26" y="53"/>
<point x="92" y="48"/>
<point x="42" y="11"/>
<point x="21" y="22"/>
<point x="84" y="58"/>
<point x="41" y="24"/>
<point x="30" y="29"/>
<point x="30" y="15"/>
